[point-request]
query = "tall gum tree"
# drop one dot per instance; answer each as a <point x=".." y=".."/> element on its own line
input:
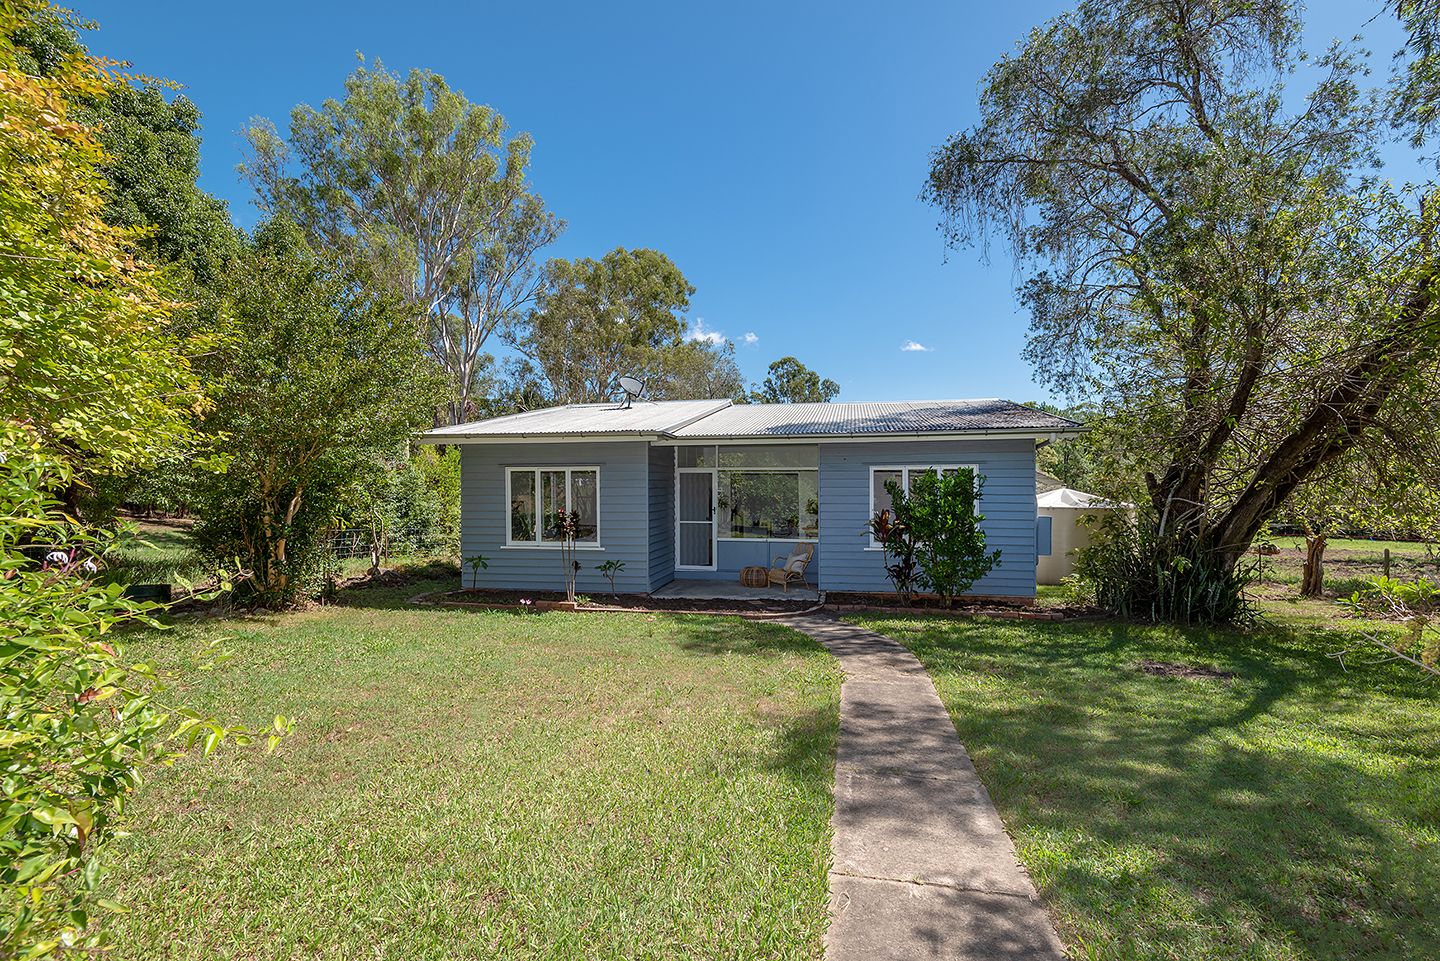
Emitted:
<point x="1208" y="256"/>
<point x="595" y="320"/>
<point x="407" y="180"/>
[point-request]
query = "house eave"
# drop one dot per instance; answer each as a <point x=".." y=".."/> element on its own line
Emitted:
<point x="669" y="440"/>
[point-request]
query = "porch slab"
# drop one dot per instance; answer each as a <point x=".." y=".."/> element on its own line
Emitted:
<point x="697" y="590"/>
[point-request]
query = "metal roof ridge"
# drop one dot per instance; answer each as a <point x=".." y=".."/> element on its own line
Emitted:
<point x="720" y="405"/>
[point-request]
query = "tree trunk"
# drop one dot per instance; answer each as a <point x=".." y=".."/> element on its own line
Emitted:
<point x="1312" y="576"/>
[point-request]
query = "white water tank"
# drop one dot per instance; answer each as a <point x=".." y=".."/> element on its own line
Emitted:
<point x="1066" y="509"/>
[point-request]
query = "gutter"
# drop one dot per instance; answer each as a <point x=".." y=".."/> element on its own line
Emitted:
<point x="1044" y="436"/>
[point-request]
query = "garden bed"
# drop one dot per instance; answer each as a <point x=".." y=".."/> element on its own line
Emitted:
<point x="838" y="601"/>
<point x="504" y="600"/>
<point x="1014" y="608"/>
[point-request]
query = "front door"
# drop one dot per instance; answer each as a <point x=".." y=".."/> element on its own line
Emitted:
<point x="695" y="520"/>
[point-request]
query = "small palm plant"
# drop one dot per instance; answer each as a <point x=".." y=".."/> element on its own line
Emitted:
<point x="477" y="564"/>
<point x="610" y="569"/>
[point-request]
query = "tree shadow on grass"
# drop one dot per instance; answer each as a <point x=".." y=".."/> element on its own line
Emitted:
<point x="805" y="751"/>
<point x="1175" y="816"/>
<point x="722" y="635"/>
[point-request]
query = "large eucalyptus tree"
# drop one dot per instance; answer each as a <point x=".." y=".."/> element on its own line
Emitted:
<point x="407" y="180"/>
<point x="1208" y="253"/>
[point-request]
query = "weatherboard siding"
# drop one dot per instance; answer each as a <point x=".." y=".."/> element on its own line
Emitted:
<point x="624" y="513"/>
<point x="1007" y="501"/>
<point x="662" y="516"/>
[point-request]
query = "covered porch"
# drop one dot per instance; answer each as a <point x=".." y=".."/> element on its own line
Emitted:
<point x="716" y="590"/>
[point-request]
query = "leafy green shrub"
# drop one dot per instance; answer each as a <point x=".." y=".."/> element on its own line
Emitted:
<point x="1074" y="590"/>
<point x="1133" y="572"/>
<point x="951" y="544"/>
<point x="1387" y="597"/>
<point x="82" y="722"/>
<point x="407" y="504"/>
<point x="933" y="534"/>
<point x="320" y="378"/>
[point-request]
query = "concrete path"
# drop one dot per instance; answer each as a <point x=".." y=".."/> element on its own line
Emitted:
<point x="922" y="867"/>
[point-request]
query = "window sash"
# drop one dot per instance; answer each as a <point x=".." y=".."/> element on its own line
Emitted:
<point x="536" y="496"/>
<point x="798" y="522"/>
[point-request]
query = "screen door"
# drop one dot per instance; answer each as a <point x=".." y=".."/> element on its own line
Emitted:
<point x="696" y="519"/>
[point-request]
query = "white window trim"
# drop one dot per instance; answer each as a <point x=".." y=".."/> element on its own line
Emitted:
<point x="537" y="544"/>
<point x="871" y="543"/>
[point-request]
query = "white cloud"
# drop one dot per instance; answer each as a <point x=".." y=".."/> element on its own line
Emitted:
<point x="911" y="346"/>
<point x="698" y="332"/>
<point x="750" y="338"/>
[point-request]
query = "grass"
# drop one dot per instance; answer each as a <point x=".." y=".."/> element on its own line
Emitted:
<point x="163" y="553"/>
<point x="485" y="784"/>
<point x="1362" y="545"/>
<point x="1349" y="564"/>
<point x="1291" y="811"/>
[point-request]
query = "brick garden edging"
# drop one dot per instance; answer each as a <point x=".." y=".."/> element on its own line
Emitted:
<point x="433" y="599"/>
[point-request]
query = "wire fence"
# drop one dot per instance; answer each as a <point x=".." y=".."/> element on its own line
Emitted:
<point x="359" y="542"/>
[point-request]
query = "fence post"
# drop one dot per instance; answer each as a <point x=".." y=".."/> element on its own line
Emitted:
<point x="1387" y="562"/>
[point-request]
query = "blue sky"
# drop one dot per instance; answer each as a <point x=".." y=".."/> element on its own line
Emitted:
<point x="775" y="151"/>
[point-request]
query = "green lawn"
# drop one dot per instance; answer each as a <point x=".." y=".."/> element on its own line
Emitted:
<point x="1290" y="812"/>
<point x="162" y="553"/>
<point x="484" y="784"/>
<point x="1349" y="565"/>
<point x="1362" y="545"/>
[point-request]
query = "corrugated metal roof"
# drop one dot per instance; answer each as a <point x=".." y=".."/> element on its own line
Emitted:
<point x="719" y="419"/>
<point x="890" y="417"/>
<point x="642" y="417"/>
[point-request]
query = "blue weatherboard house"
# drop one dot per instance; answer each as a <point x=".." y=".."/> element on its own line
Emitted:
<point x="697" y="490"/>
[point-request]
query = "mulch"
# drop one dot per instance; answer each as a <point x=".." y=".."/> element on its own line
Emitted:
<point x="841" y="602"/>
<point x="555" y="601"/>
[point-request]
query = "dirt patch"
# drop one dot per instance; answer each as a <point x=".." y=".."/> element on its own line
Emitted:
<point x="1189" y="671"/>
<point x="400" y="576"/>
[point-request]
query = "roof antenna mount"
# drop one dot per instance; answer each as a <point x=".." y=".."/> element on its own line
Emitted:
<point x="633" y="388"/>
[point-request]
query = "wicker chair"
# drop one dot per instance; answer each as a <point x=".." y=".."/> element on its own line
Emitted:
<point x="791" y="567"/>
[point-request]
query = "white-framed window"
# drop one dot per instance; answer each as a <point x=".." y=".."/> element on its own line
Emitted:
<point x="905" y="475"/>
<point x="539" y="495"/>
<point x="762" y="491"/>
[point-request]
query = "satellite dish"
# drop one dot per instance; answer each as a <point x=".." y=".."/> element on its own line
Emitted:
<point x="633" y="388"/>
